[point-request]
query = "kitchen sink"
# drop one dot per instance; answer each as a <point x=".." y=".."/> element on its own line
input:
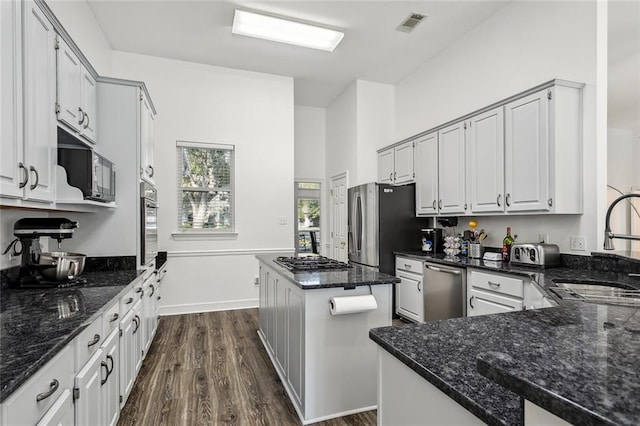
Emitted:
<point x="598" y="292"/>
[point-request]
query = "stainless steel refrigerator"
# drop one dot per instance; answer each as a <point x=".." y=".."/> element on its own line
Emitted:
<point x="382" y="220"/>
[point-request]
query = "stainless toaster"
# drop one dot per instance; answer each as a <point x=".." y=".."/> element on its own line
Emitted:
<point x="535" y="254"/>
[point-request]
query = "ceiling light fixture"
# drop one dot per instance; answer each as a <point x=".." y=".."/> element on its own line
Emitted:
<point x="285" y="31"/>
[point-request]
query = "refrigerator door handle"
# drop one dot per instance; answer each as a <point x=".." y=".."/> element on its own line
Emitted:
<point x="358" y="223"/>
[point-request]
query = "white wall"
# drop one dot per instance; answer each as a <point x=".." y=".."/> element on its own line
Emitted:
<point x="522" y="45"/>
<point x="622" y="174"/>
<point x="310" y="138"/>
<point x="255" y="113"/>
<point x="342" y="134"/>
<point x="78" y="20"/>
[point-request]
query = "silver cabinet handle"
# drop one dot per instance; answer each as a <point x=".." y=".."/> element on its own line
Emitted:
<point x="114" y="317"/>
<point x="507" y="199"/>
<point x="106" y="367"/>
<point x="35" y="185"/>
<point x="82" y="114"/>
<point x="25" y="176"/>
<point x="434" y="204"/>
<point x="471" y="302"/>
<point x="440" y="204"/>
<point x="139" y="290"/>
<point x="88" y="120"/>
<point x="152" y="171"/>
<point x="129" y="300"/>
<point x="53" y="387"/>
<point x="465" y="206"/>
<point x="394" y="176"/>
<point x="407" y="266"/>
<point x="95" y="340"/>
<point x="391" y="177"/>
<point x="498" y="199"/>
<point x="449" y="271"/>
<point x="492" y="284"/>
<point x="136" y="321"/>
<point x="153" y="289"/>
<point x="419" y="288"/>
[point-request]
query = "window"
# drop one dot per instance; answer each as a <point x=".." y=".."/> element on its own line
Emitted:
<point x="308" y="215"/>
<point x="205" y="187"/>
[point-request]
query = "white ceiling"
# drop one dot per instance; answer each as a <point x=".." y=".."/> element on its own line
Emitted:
<point x="372" y="49"/>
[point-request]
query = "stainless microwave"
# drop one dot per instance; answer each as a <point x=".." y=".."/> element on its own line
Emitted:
<point x="90" y="172"/>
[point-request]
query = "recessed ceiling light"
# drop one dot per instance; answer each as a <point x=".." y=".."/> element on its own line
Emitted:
<point x="285" y="31"/>
<point x="411" y="22"/>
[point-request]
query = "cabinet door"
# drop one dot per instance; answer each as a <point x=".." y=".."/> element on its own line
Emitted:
<point x="88" y="403"/>
<point x="281" y="324"/>
<point x="485" y="160"/>
<point x="403" y="163"/>
<point x="60" y="413"/>
<point x="481" y="303"/>
<point x="146" y="140"/>
<point x="271" y="311"/>
<point x="69" y="76"/>
<point x="89" y="103"/>
<point x="295" y="343"/>
<point x="138" y="332"/>
<point x="409" y="296"/>
<point x="385" y="166"/>
<point x="111" y="383"/>
<point x="527" y="153"/>
<point x="40" y="141"/>
<point x="262" y="312"/>
<point x="11" y="174"/>
<point x="451" y="171"/>
<point x="127" y="361"/>
<point x="426" y="156"/>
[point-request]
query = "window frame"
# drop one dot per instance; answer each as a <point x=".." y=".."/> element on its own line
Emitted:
<point x="205" y="233"/>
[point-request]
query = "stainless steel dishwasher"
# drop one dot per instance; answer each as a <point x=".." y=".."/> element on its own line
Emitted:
<point x="444" y="291"/>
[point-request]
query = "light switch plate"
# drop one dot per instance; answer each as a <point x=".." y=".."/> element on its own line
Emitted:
<point x="578" y="243"/>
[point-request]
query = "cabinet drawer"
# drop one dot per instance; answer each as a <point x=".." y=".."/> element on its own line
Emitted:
<point x="498" y="283"/>
<point x="88" y="342"/>
<point x="132" y="296"/>
<point x="410" y="265"/>
<point x="483" y="303"/>
<point x="48" y="384"/>
<point x="110" y="319"/>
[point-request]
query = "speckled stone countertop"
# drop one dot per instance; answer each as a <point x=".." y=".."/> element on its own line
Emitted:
<point x="35" y="324"/>
<point x="578" y="360"/>
<point x="347" y="278"/>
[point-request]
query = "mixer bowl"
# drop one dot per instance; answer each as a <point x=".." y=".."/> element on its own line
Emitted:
<point x="63" y="266"/>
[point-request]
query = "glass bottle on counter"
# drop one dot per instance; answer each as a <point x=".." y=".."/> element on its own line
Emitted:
<point x="506" y="245"/>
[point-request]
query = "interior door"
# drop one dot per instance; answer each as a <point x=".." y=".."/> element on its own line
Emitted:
<point x="338" y="224"/>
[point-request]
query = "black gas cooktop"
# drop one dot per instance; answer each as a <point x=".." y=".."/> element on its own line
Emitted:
<point x="311" y="263"/>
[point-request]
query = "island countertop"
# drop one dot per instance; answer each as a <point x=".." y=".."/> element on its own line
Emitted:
<point x="355" y="276"/>
<point x="33" y="330"/>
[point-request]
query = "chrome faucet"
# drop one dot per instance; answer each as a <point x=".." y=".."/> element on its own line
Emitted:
<point x="608" y="235"/>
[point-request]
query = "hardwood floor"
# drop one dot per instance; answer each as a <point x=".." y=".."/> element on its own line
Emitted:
<point x="211" y="368"/>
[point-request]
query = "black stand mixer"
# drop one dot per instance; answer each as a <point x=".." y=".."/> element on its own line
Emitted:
<point x="28" y="232"/>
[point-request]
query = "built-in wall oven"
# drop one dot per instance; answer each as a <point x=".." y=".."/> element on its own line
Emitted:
<point x="149" y="225"/>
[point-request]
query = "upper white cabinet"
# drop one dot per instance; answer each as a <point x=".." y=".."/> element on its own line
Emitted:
<point x="40" y="144"/>
<point x="426" y="155"/>
<point x="451" y="170"/>
<point x="147" y="139"/>
<point x="395" y="165"/>
<point x="77" y="93"/>
<point x="543" y="151"/>
<point x="485" y="159"/>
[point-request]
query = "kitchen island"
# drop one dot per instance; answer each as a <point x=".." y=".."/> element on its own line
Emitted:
<point x="326" y="363"/>
<point x="578" y="361"/>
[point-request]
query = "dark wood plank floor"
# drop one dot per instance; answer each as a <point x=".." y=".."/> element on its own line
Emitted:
<point x="211" y="368"/>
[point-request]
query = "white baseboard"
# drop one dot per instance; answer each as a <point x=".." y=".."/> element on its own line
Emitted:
<point x="196" y="308"/>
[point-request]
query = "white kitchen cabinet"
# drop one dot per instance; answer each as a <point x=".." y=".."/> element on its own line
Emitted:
<point x="396" y="165"/>
<point x="295" y="342"/>
<point x="11" y="174"/>
<point x="137" y="333"/>
<point x="147" y="140"/>
<point x="39" y="143"/>
<point x="490" y="293"/>
<point x="451" y="170"/>
<point x="485" y="161"/>
<point x="426" y="156"/>
<point x="150" y="311"/>
<point x="543" y="151"/>
<point x="77" y="94"/>
<point x="483" y="303"/>
<point x="110" y="398"/>
<point x="61" y="412"/>
<point x="88" y="391"/>
<point x="385" y="166"/>
<point x="127" y="357"/>
<point x="409" y="291"/>
<point x="281" y="322"/>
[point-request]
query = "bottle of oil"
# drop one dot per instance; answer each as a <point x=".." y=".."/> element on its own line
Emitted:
<point x="506" y="245"/>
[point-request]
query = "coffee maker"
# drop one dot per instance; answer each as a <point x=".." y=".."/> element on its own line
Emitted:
<point x="433" y="240"/>
<point x="28" y="232"/>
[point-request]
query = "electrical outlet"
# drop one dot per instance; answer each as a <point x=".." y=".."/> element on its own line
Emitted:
<point x="578" y="243"/>
<point x="256" y="281"/>
<point x="282" y="220"/>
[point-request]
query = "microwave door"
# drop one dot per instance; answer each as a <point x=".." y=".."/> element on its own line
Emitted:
<point x="97" y="177"/>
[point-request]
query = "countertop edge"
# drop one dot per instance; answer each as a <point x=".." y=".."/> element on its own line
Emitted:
<point x="450" y="391"/>
<point x="11" y="387"/>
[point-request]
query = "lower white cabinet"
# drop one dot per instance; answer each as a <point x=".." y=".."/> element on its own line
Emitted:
<point x="88" y="391"/>
<point x="61" y="412"/>
<point x="127" y="360"/>
<point x="409" y="291"/>
<point x="110" y="399"/>
<point x="492" y="293"/>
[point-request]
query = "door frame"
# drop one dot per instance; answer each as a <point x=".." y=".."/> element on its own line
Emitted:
<point x="332" y="218"/>
<point x="323" y="219"/>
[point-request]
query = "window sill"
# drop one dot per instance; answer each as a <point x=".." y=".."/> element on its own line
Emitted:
<point x="203" y="235"/>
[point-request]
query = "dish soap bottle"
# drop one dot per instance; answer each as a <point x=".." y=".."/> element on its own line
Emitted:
<point x="506" y="245"/>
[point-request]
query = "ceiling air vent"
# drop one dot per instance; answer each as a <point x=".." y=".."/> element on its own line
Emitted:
<point x="411" y="22"/>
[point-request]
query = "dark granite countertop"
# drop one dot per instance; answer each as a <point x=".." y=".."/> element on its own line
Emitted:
<point x="35" y="326"/>
<point x="352" y="277"/>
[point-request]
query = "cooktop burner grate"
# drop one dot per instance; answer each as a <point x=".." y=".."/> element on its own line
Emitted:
<point x="311" y="263"/>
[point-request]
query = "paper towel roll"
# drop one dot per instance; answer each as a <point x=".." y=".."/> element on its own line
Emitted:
<point x="352" y="304"/>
